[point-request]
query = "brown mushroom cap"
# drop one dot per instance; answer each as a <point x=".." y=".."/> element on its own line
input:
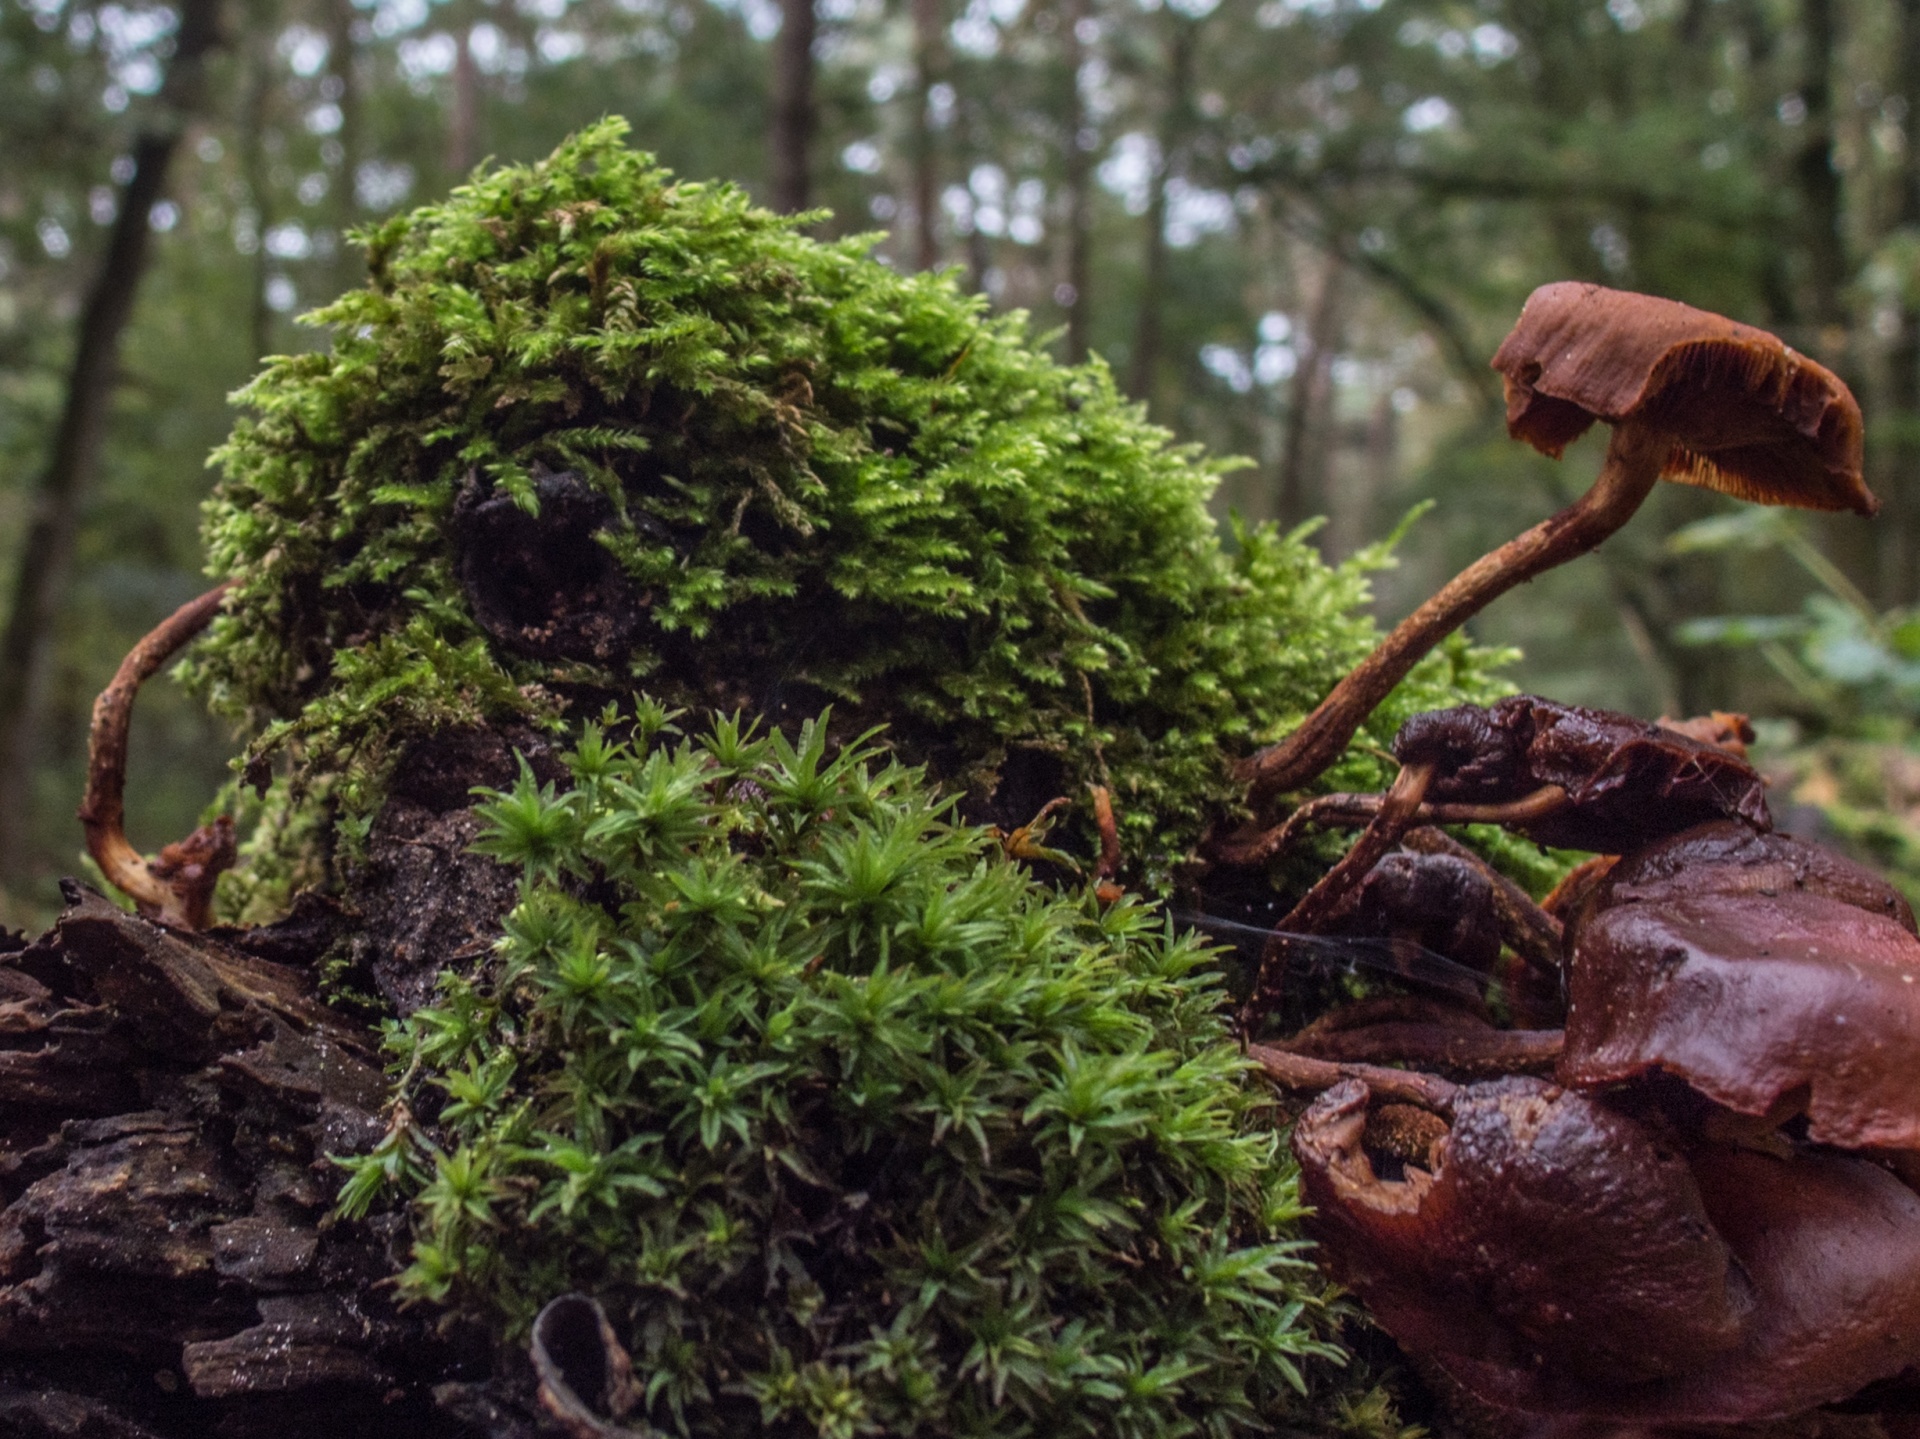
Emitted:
<point x="1627" y="782"/>
<point x="1549" y="1243"/>
<point x="1764" y="1003"/>
<point x="1558" y="1258"/>
<point x="1726" y="858"/>
<point x="1748" y="416"/>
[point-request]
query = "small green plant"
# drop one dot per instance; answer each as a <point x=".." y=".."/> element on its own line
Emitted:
<point x="853" y="1126"/>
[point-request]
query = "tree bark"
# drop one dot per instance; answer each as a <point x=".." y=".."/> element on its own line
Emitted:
<point x="791" y="140"/>
<point x="61" y="492"/>
<point x="463" y="117"/>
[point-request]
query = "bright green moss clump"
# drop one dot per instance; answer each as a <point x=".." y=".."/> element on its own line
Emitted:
<point x="796" y="477"/>
<point x="853" y="1126"/>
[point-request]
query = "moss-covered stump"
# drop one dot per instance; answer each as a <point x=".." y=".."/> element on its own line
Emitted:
<point x="590" y="428"/>
<point x="632" y="505"/>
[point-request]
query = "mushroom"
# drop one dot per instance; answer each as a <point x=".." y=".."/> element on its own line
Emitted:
<point x="1770" y="979"/>
<point x="1559" y="1258"/>
<point x="1623" y="782"/>
<point x="176" y="886"/>
<point x="1690" y="395"/>
<point x="1542" y="1243"/>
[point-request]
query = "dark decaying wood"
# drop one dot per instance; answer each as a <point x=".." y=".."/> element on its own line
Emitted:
<point x="169" y="1261"/>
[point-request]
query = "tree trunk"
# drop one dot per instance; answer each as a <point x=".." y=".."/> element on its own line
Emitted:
<point x="927" y="16"/>
<point x="60" y="495"/>
<point x="1826" y="256"/>
<point x="343" y="60"/>
<point x="463" y="117"/>
<point x="1897" y="465"/>
<point x="1298" y="485"/>
<point x="791" y="140"/>
<point x="1078" y="181"/>
<point x="1170" y="161"/>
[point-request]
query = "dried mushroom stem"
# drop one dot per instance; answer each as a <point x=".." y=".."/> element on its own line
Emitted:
<point x="1395" y="815"/>
<point x="1635" y="455"/>
<point x="177" y="887"/>
<point x="1332" y="811"/>
<point x="1481" y="1052"/>
<point x="1526" y="927"/>
<point x="1298" y="1071"/>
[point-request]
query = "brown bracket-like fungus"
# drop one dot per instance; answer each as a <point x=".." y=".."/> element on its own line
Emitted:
<point x="1558" y="1258"/>
<point x="1770" y="977"/>
<point x="1690" y="396"/>
<point x="175" y="887"/>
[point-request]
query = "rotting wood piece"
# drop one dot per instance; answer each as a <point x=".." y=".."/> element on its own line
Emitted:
<point x="170" y="1268"/>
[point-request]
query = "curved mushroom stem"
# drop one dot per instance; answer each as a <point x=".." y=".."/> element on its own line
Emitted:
<point x="1635" y="455"/>
<point x="176" y="888"/>
<point x="1398" y="808"/>
<point x="1334" y="811"/>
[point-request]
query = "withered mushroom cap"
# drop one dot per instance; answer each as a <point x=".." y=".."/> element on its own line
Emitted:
<point x="1548" y="1242"/>
<point x="1561" y="1259"/>
<point x="1627" y="782"/>
<point x="1748" y="416"/>
<point x="1764" y="1003"/>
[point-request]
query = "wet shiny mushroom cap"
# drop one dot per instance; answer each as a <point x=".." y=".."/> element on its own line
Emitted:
<point x="1727" y="858"/>
<point x="1558" y="1258"/>
<point x="1768" y="1003"/>
<point x="1747" y="416"/>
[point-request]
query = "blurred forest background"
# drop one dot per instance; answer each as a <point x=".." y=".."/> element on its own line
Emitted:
<point x="1296" y="229"/>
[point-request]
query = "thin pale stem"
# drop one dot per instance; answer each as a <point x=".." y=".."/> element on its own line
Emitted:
<point x="1634" y="459"/>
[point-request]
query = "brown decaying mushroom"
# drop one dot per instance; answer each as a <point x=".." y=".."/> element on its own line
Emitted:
<point x="1768" y="987"/>
<point x="1558" y="1258"/>
<point x="176" y="887"/>
<point x="1690" y="395"/>
<point x="1625" y="781"/>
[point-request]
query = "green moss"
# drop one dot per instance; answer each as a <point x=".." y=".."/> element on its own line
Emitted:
<point x="853" y="1126"/>
<point x="822" y="481"/>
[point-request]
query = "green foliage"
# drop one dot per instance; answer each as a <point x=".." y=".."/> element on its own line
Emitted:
<point x="826" y="480"/>
<point x="853" y="1126"/>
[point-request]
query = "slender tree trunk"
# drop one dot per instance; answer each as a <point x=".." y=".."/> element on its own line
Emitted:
<point x="1819" y="181"/>
<point x="1153" y="279"/>
<point x="1299" y="485"/>
<point x="1898" y="468"/>
<point x="927" y="58"/>
<point x="343" y="60"/>
<point x="254" y="111"/>
<point x="463" y="117"/>
<point x="1078" y="180"/>
<point x="791" y="141"/>
<point x="61" y="492"/>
